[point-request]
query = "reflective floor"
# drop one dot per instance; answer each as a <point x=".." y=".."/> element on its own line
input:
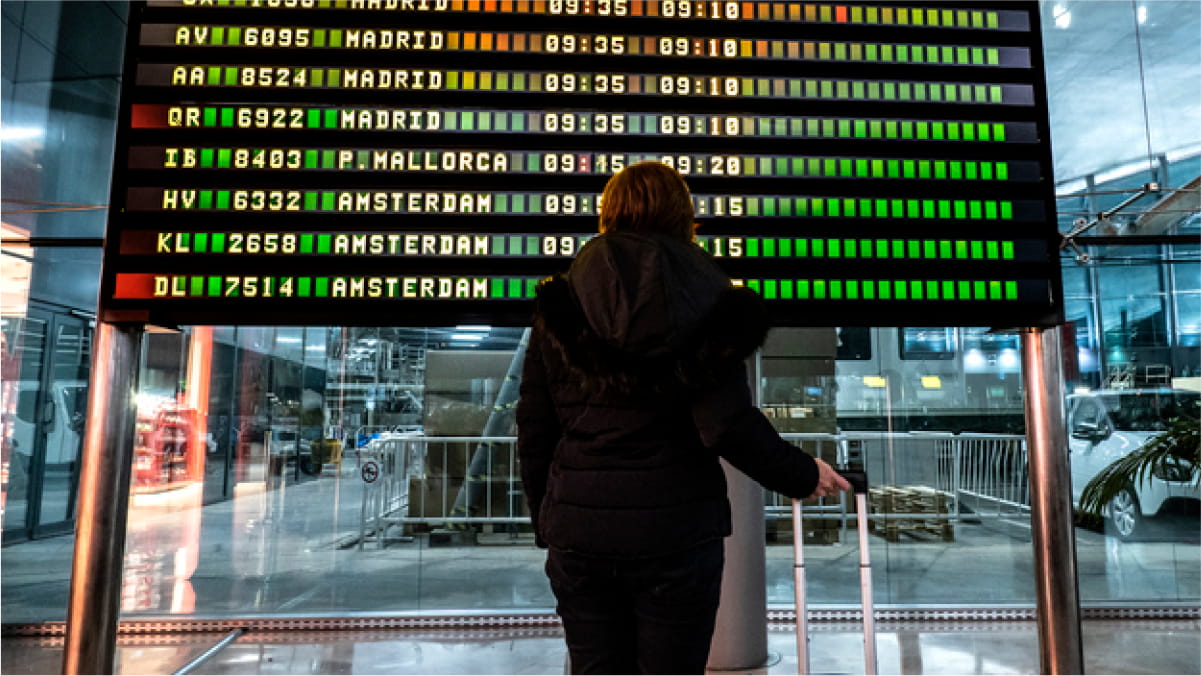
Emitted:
<point x="293" y="549"/>
<point x="1110" y="647"/>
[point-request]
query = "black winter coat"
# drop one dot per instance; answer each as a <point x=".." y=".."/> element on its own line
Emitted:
<point x="633" y="386"/>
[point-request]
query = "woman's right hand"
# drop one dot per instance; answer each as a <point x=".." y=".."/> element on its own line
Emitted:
<point x="829" y="482"/>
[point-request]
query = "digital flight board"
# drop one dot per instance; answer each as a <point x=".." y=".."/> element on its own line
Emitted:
<point x="424" y="162"/>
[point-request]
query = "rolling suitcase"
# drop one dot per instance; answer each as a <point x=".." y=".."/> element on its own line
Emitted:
<point x="858" y="481"/>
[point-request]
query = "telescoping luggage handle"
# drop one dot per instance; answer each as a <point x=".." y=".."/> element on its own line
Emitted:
<point x="858" y="481"/>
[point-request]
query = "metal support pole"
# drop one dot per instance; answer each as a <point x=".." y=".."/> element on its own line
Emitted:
<point x="740" y="635"/>
<point x="1058" y="596"/>
<point x="95" y="593"/>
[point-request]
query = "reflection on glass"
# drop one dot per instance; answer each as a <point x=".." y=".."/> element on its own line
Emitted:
<point x="69" y="367"/>
<point x="334" y="470"/>
<point x="24" y="342"/>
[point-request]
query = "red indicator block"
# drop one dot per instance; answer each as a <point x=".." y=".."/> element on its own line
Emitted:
<point x="135" y="286"/>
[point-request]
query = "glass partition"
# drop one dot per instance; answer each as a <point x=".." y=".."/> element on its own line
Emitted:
<point x="347" y="470"/>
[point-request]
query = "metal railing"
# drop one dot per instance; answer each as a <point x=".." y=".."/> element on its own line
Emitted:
<point x="418" y="480"/>
<point x="421" y="481"/>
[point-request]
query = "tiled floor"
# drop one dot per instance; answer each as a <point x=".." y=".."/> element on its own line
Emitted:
<point x="1110" y="647"/>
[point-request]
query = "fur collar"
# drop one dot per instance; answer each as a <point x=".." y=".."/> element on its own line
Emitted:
<point x="728" y="333"/>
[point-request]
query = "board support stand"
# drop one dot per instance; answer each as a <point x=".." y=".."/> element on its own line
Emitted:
<point x="95" y="591"/>
<point x="1057" y="592"/>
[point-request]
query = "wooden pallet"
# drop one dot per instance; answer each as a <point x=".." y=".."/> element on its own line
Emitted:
<point x="909" y="500"/>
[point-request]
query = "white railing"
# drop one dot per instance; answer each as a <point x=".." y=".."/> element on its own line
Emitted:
<point x="419" y="480"/>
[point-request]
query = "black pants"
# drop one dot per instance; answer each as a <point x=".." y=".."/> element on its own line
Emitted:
<point x="630" y="616"/>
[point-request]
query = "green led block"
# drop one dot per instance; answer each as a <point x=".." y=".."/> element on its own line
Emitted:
<point x="206" y="199"/>
<point x="819" y="248"/>
<point x="214" y="286"/>
<point x="304" y="286"/>
<point x="328" y="201"/>
<point x="218" y="245"/>
<point x="1007" y="250"/>
<point x="979" y="291"/>
<point x="1011" y="290"/>
<point x="222" y="199"/>
<point x="306" y="244"/>
<point x="752" y="247"/>
<point x="753" y="285"/>
<point x="322" y="285"/>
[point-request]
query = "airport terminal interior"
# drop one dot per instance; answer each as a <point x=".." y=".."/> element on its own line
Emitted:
<point x="317" y="498"/>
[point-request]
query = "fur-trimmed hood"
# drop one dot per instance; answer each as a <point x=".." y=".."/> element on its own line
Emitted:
<point x="647" y="313"/>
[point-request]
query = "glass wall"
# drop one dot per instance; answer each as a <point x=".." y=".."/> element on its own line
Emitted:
<point x="325" y="469"/>
<point x="372" y="470"/>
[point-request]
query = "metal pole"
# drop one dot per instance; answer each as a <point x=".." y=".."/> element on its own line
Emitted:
<point x="1058" y="606"/>
<point x="798" y="585"/>
<point x="740" y="635"/>
<point x="95" y="593"/>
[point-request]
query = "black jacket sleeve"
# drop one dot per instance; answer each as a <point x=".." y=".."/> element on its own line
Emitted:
<point x="538" y="430"/>
<point x="733" y="428"/>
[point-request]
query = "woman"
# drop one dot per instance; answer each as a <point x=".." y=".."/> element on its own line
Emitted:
<point x="633" y="386"/>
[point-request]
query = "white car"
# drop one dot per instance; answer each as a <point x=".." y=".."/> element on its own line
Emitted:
<point x="1106" y="425"/>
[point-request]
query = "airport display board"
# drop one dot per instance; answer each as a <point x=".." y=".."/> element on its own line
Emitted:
<point x="422" y="162"/>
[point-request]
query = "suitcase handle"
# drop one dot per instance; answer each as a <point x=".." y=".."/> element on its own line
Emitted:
<point x="857" y="479"/>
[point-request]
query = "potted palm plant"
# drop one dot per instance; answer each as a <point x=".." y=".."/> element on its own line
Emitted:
<point x="1173" y="454"/>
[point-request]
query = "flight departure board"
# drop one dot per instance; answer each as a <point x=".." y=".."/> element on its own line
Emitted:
<point x="423" y="162"/>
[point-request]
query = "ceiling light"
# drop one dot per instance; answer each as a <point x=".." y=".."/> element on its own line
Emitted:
<point x="19" y="133"/>
<point x="1063" y="18"/>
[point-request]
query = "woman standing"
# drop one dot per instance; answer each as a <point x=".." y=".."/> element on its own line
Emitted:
<point x="633" y="387"/>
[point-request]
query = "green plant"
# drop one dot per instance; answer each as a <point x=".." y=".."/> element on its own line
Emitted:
<point x="1179" y="444"/>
